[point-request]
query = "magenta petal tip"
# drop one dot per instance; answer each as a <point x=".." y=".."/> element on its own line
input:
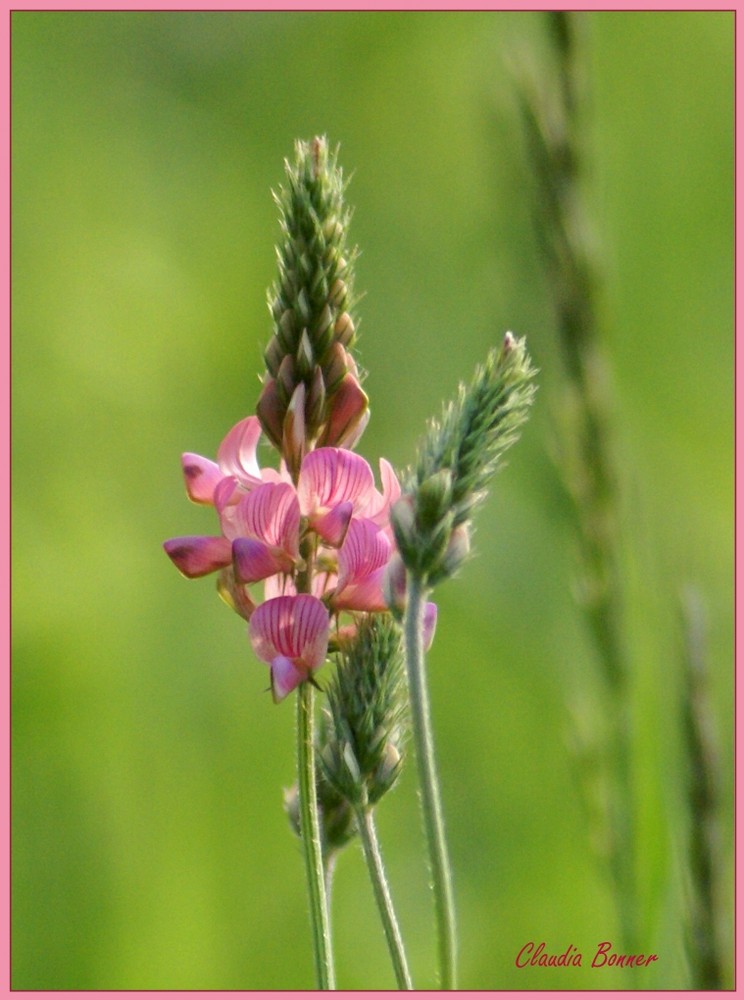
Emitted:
<point x="196" y="555"/>
<point x="201" y="477"/>
<point x="333" y="524"/>
<point x="285" y="677"/>
<point x="254" y="560"/>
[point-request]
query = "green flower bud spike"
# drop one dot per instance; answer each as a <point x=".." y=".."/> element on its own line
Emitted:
<point x="364" y="739"/>
<point x="431" y="522"/>
<point x="457" y="459"/>
<point x="312" y="305"/>
<point x="363" y="751"/>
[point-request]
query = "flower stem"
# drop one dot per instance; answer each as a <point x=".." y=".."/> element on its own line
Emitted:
<point x="368" y="834"/>
<point x="310" y="830"/>
<point x="430" y="796"/>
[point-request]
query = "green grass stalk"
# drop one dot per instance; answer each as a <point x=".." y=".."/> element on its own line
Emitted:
<point x="431" y="803"/>
<point x="373" y="857"/>
<point x="311" y="841"/>
<point x="552" y="113"/>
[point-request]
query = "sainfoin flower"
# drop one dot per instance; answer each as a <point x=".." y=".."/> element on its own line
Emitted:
<point x="291" y="635"/>
<point x="329" y="535"/>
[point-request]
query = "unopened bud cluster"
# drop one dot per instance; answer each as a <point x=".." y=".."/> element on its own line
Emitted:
<point x="459" y="455"/>
<point x="364" y="733"/>
<point x="312" y="395"/>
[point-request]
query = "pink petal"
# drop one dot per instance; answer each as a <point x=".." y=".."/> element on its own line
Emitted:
<point x="361" y="566"/>
<point x="330" y="476"/>
<point x="366" y="595"/>
<point x="430" y="623"/>
<point x="365" y="550"/>
<point x="378" y="507"/>
<point x="278" y="586"/>
<point x="226" y="492"/>
<point x="272" y="476"/>
<point x="333" y="524"/>
<point x="236" y="455"/>
<point x="201" y="477"/>
<point x="390" y="486"/>
<point x="254" y="560"/>
<point x="285" y="677"/>
<point x="197" y="555"/>
<point x="323" y="583"/>
<point x="271" y="513"/>
<point x="296" y="627"/>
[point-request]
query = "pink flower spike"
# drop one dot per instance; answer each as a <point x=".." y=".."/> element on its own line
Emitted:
<point x="430" y="624"/>
<point x="201" y="477"/>
<point x="254" y="560"/>
<point x="236" y="455"/>
<point x="197" y="555"/>
<point x="295" y="626"/>
<point x="285" y="677"/>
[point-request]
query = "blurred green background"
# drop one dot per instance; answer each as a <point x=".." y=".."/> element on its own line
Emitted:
<point x="150" y="849"/>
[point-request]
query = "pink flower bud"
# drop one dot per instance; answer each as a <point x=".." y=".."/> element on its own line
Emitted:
<point x="270" y="412"/>
<point x="348" y="408"/>
<point x="335" y="366"/>
<point x="316" y="401"/>
<point x="286" y="376"/>
<point x="294" y="441"/>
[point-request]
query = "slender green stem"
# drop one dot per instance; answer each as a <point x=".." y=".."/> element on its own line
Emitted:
<point x="430" y="796"/>
<point x="370" y="843"/>
<point x="310" y="830"/>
